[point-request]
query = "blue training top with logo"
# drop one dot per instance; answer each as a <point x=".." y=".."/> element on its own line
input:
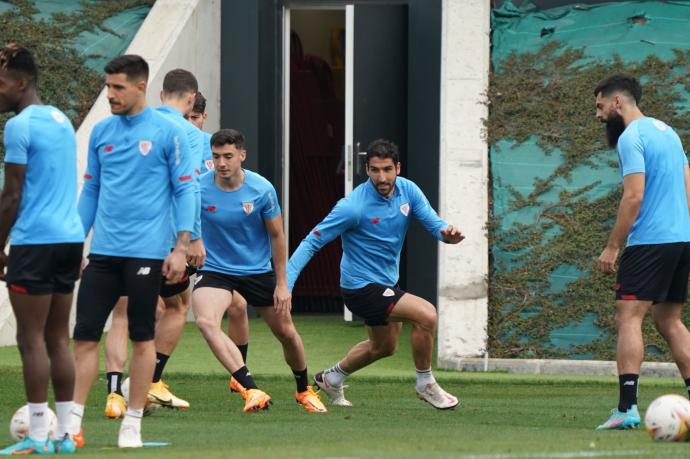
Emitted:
<point x="195" y="139"/>
<point x="651" y="147"/>
<point x="137" y="166"/>
<point x="42" y="138"/>
<point x="233" y="224"/>
<point x="207" y="156"/>
<point x="373" y="230"/>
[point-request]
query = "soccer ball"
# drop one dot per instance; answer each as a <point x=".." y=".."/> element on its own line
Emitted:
<point x="668" y="418"/>
<point x="19" y="425"/>
<point x="149" y="408"/>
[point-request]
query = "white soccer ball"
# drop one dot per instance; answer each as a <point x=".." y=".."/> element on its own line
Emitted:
<point x="668" y="418"/>
<point x="149" y="408"/>
<point x="19" y="425"/>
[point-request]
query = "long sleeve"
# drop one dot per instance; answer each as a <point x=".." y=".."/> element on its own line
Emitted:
<point x="181" y="167"/>
<point x="426" y="215"/>
<point x="88" y="199"/>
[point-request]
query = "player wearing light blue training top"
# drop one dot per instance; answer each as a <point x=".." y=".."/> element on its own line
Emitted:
<point x="198" y="117"/>
<point x="138" y="165"/>
<point x="372" y="222"/>
<point x="245" y="252"/>
<point x="653" y="216"/>
<point x="38" y="208"/>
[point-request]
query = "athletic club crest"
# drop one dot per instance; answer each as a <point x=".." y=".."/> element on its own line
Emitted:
<point x="248" y="207"/>
<point x="405" y="209"/>
<point x="209" y="164"/>
<point x="145" y="147"/>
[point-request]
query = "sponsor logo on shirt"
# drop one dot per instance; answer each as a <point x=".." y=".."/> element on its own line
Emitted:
<point x="108" y="148"/>
<point x="248" y="207"/>
<point x="316" y="233"/>
<point x="211" y="208"/>
<point x="145" y="147"/>
<point x="87" y="177"/>
<point x="57" y="116"/>
<point x="405" y="209"/>
<point x="375" y="220"/>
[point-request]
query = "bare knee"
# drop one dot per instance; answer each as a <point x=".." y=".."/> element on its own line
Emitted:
<point x="427" y="319"/>
<point x="28" y="343"/>
<point x="57" y="343"/>
<point x="285" y="333"/>
<point x="384" y="349"/>
<point x="206" y="325"/>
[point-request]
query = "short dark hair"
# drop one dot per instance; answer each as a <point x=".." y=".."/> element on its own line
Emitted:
<point x="199" y="103"/>
<point x="622" y="82"/>
<point x="229" y="137"/>
<point x="179" y="82"/>
<point x="135" y="67"/>
<point x="19" y="60"/>
<point x="382" y="148"/>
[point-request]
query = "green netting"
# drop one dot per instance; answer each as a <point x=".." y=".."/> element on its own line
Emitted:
<point x="630" y="30"/>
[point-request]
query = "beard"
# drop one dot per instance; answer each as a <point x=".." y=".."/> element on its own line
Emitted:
<point x="614" y="128"/>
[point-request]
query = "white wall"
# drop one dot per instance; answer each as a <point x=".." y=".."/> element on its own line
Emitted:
<point x="175" y="34"/>
<point x="463" y="269"/>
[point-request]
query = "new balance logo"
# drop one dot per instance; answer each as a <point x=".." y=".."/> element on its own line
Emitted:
<point x="629" y="383"/>
<point x="144" y="271"/>
<point x="198" y="278"/>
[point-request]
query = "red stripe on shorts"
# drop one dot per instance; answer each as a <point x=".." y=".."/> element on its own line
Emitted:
<point x="17" y="289"/>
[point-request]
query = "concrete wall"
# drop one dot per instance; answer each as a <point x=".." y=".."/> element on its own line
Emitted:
<point x="463" y="196"/>
<point x="176" y="34"/>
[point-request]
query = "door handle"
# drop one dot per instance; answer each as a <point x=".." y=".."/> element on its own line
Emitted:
<point x="358" y="156"/>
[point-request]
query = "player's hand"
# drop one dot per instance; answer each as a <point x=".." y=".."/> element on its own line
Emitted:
<point x="3" y="264"/>
<point x="452" y="235"/>
<point x="196" y="256"/>
<point x="282" y="299"/>
<point x="607" y="260"/>
<point x="174" y="267"/>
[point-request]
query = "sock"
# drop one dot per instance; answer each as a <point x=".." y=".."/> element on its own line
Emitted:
<point x="114" y="382"/>
<point x="301" y="379"/>
<point x="161" y="360"/>
<point x="628" y="391"/>
<point x="335" y="375"/>
<point x="76" y="415"/>
<point x="244" y="377"/>
<point x="244" y="348"/>
<point x="424" y="377"/>
<point x="687" y="386"/>
<point x="38" y="421"/>
<point x="63" y="411"/>
<point x="133" y="418"/>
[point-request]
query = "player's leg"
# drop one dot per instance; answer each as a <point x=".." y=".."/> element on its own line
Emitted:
<point x="238" y="324"/>
<point x="115" y="359"/>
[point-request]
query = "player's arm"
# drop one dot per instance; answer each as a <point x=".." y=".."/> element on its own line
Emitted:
<point x="343" y="217"/>
<point x="88" y="199"/>
<point x="428" y="217"/>
<point x="181" y="170"/>
<point x="197" y="252"/>
<point x="631" y="153"/>
<point x="282" y="299"/>
<point x="687" y="183"/>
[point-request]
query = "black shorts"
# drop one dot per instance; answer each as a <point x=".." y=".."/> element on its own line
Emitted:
<point x="168" y="290"/>
<point x="42" y="269"/>
<point x="257" y="289"/>
<point x="654" y="272"/>
<point x="373" y="302"/>
<point x="104" y="280"/>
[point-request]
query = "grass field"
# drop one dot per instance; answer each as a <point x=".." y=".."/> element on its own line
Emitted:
<point x="502" y="416"/>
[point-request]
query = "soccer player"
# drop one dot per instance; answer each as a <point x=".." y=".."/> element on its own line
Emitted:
<point x="138" y="166"/>
<point x="177" y="97"/>
<point x="653" y="216"/>
<point x="243" y="231"/>
<point x="38" y="213"/>
<point x="198" y="117"/>
<point x="372" y="222"/>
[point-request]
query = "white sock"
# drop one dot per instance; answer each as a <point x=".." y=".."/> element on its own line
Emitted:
<point x="38" y="421"/>
<point x="133" y="418"/>
<point x="76" y="415"/>
<point x="64" y="417"/>
<point x="424" y="378"/>
<point x="335" y="375"/>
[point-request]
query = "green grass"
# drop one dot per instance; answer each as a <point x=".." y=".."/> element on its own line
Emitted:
<point x="502" y="415"/>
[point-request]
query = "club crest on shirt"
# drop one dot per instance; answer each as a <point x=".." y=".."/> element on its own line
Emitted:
<point x="248" y="207"/>
<point x="209" y="164"/>
<point x="405" y="209"/>
<point x="57" y="116"/>
<point x="145" y="147"/>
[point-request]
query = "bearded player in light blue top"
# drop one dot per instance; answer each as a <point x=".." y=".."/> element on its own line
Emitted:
<point x="653" y="217"/>
<point x="372" y="222"/>
<point x="37" y="207"/>
<point x="245" y="252"/>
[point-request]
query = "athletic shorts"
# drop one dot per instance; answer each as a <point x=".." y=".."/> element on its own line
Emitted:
<point x="373" y="302"/>
<point x="42" y="269"/>
<point x="104" y="280"/>
<point x="168" y="290"/>
<point x="257" y="289"/>
<point x="654" y="272"/>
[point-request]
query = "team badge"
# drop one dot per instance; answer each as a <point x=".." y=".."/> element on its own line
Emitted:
<point x="209" y="164"/>
<point x="145" y="147"/>
<point x="248" y="207"/>
<point x="388" y="292"/>
<point x="405" y="209"/>
<point x="57" y="116"/>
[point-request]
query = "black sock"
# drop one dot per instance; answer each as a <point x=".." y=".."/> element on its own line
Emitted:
<point x="114" y="381"/>
<point x="687" y="386"/>
<point x="161" y="360"/>
<point x="301" y="379"/>
<point x="628" y="391"/>
<point x="244" y="377"/>
<point x="244" y="348"/>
